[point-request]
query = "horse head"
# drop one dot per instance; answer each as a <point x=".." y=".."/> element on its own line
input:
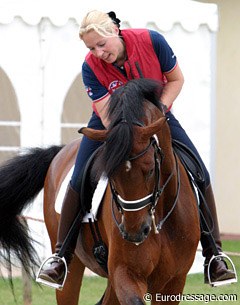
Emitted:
<point x="135" y="184"/>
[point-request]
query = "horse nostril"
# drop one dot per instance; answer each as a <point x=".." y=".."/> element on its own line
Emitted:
<point x="123" y="232"/>
<point x="146" y="230"/>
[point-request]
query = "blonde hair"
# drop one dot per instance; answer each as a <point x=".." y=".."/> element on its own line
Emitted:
<point x="99" y="22"/>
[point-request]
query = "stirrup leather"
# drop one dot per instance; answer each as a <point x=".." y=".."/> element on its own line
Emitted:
<point x="224" y="282"/>
<point x="47" y="283"/>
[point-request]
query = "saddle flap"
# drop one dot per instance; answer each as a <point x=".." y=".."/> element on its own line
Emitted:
<point x="189" y="161"/>
<point x="88" y="185"/>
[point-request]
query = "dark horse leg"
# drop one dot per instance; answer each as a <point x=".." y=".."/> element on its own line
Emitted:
<point x="110" y="297"/>
<point x="70" y="293"/>
<point x="129" y="290"/>
<point x="171" y="293"/>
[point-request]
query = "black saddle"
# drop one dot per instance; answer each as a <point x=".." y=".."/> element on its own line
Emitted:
<point x="191" y="163"/>
<point x="88" y="184"/>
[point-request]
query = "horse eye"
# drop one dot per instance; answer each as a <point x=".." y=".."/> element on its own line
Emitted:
<point x="150" y="173"/>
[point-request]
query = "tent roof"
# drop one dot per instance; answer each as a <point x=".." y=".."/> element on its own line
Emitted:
<point x="190" y="14"/>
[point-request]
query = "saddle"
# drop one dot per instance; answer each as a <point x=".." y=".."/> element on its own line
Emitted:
<point x="191" y="163"/>
<point x="88" y="184"/>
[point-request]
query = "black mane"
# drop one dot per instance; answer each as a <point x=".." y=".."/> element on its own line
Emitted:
<point x="126" y="108"/>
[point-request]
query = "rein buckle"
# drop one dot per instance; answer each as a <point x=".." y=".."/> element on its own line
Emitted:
<point x="152" y="212"/>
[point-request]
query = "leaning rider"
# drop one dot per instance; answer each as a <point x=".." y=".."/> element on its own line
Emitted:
<point x="115" y="57"/>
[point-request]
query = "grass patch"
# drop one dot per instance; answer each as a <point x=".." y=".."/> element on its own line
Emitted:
<point x="92" y="290"/>
<point x="93" y="287"/>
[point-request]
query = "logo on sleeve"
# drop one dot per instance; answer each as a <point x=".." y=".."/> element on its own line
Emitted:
<point x="89" y="91"/>
<point x="114" y="85"/>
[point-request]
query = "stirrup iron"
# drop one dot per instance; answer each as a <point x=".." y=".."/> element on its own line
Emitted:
<point x="47" y="283"/>
<point x="224" y="282"/>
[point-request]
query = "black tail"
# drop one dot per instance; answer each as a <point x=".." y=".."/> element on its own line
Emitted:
<point x="21" y="179"/>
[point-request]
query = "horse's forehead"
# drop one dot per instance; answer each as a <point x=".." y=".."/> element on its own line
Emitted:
<point x="138" y="142"/>
<point x="149" y="106"/>
<point x="137" y="136"/>
<point x="151" y="113"/>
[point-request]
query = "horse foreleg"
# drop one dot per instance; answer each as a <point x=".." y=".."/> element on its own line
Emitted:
<point x="170" y="294"/>
<point x="129" y="287"/>
<point x="110" y="297"/>
<point x="70" y="293"/>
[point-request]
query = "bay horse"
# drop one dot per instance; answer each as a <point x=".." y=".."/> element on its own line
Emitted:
<point x="148" y="217"/>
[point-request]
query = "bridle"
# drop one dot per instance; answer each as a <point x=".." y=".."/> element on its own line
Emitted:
<point x="152" y="199"/>
<point x="135" y="205"/>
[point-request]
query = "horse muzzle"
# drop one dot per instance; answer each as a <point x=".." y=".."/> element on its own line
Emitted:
<point x="136" y="237"/>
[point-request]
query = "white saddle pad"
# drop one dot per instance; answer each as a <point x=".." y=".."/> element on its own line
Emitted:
<point x="96" y="200"/>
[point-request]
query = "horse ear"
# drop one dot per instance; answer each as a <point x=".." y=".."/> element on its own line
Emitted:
<point x="148" y="131"/>
<point x="97" y="135"/>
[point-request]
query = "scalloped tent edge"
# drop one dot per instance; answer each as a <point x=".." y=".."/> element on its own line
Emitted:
<point x="189" y="14"/>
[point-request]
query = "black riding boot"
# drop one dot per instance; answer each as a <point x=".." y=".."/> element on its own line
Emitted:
<point x="54" y="273"/>
<point x="218" y="268"/>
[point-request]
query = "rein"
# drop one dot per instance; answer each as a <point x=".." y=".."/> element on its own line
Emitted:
<point x="152" y="199"/>
<point x="159" y="226"/>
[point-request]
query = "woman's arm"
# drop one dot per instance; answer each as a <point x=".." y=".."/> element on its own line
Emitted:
<point x="173" y="86"/>
<point x="101" y="109"/>
<point x="97" y="93"/>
